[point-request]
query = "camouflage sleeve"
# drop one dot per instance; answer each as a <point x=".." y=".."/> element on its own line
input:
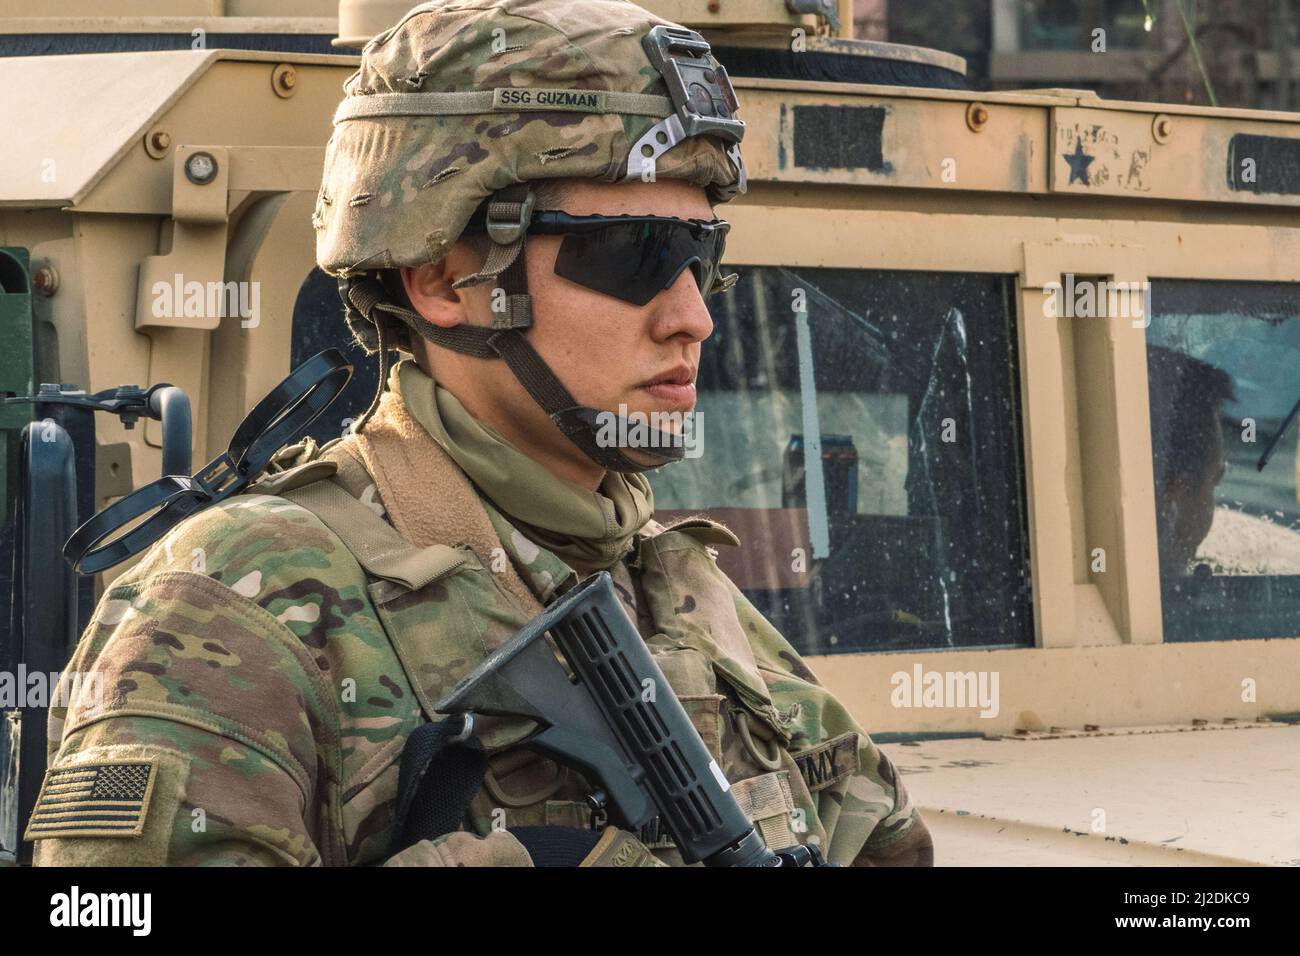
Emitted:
<point x="200" y="734"/>
<point x="858" y="797"/>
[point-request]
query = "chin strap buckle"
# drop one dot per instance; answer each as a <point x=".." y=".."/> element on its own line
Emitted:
<point x="507" y="221"/>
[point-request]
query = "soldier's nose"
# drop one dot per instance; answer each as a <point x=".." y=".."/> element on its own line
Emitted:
<point x="680" y="311"/>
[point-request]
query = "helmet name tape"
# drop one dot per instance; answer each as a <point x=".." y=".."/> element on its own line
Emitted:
<point x="577" y="101"/>
<point x="502" y="100"/>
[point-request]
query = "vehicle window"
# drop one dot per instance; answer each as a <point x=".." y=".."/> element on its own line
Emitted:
<point x="860" y="433"/>
<point x="1223" y="362"/>
<point x="1069" y="25"/>
<point x="318" y="324"/>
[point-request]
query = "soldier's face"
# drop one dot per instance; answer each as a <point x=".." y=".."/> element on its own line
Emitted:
<point x="607" y="352"/>
<point x="611" y="353"/>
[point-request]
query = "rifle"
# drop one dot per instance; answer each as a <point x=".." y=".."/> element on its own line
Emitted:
<point x="604" y="708"/>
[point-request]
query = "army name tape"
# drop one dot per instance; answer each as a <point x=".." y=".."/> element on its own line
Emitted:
<point x="502" y="100"/>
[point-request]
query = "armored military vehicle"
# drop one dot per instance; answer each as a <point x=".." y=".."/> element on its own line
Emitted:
<point x="1002" y="406"/>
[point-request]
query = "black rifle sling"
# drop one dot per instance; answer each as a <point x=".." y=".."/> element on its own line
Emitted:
<point x="439" y="776"/>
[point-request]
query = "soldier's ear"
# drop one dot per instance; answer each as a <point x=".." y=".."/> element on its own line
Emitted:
<point x="429" y="288"/>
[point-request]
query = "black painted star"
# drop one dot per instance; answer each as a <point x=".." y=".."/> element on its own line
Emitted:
<point x="1079" y="162"/>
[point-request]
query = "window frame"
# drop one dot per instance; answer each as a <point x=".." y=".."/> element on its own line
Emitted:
<point x="1085" y="412"/>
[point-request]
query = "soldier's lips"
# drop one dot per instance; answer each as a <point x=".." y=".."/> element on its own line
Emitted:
<point x="674" y="388"/>
<point x="674" y="397"/>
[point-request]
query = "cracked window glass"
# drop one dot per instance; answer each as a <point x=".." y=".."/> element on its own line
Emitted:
<point x="1223" y="363"/>
<point x="860" y="432"/>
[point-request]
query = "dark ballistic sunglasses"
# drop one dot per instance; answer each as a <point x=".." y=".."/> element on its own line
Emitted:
<point x="634" y="258"/>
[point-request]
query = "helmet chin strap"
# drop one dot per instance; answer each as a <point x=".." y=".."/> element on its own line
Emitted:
<point x="508" y="217"/>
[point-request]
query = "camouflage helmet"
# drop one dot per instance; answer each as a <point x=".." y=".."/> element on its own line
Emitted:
<point x="543" y="89"/>
<point x="463" y="104"/>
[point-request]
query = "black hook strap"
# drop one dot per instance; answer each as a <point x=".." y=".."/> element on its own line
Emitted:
<point x="441" y="770"/>
<point x="289" y="408"/>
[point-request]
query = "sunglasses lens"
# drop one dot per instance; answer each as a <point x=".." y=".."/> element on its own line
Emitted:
<point x="636" y="261"/>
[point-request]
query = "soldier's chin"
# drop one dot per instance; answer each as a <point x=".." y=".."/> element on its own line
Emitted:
<point x="645" y="459"/>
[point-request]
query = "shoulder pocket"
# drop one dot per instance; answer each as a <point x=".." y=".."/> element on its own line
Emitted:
<point x="296" y="477"/>
<point x="704" y="530"/>
<point x="690" y="600"/>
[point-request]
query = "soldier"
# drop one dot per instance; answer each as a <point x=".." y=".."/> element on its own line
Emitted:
<point x="265" y="663"/>
<point x="1187" y="446"/>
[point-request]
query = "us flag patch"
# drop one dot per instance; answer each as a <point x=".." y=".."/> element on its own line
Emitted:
<point x="105" y="799"/>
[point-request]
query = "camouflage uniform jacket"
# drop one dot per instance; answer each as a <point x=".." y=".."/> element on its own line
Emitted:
<point x="269" y="683"/>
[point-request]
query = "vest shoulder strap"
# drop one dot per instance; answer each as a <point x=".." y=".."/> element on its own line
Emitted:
<point x="301" y="473"/>
<point x="379" y="549"/>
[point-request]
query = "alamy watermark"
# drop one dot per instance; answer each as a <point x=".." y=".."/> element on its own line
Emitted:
<point x="198" y="300"/>
<point x="1098" y="299"/>
<point x="75" y="908"/>
<point x="23" y="688"/>
<point x="946" y="689"/>
<point x="625" y="429"/>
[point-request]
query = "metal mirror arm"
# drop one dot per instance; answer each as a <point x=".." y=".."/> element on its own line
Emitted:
<point x="1277" y="439"/>
<point x="163" y="403"/>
